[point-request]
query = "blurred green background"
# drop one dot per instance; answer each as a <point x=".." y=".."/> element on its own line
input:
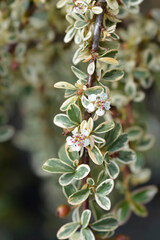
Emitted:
<point x="28" y="196"/>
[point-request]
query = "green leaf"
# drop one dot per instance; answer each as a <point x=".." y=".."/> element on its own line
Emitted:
<point x="55" y="165"/>
<point x="63" y="156"/>
<point x="67" y="230"/>
<point x="120" y="143"/>
<point x="85" y="102"/>
<point x="86" y="234"/>
<point x="64" y="85"/>
<point x="113" y="4"/>
<point x="135" y="2"/>
<point x="79" y="74"/>
<point x="71" y="155"/>
<point x="75" y="236"/>
<point x="90" y="181"/>
<point x="112" y="45"/>
<point x="97" y="10"/>
<point x="131" y="88"/>
<point x="96" y="210"/>
<point x="6" y="132"/>
<point x="126" y="3"/>
<point x="62" y="120"/>
<point x="134" y="133"/>
<point x="139" y="163"/>
<point x="141" y="177"/>
<point x="104" y="127"/>
<point x="112" y="170"/>
<point x="79" y="16"/>
<point x="69" y="190"/>
<point x="110" y="53"/>
<point x="109" y="60"/>
<point x="105" y="187"/>
<point x="74" y="114"/>
<point x="105" y="224"/>
<point x="69" y="35"/>
<point x="80" y="24"/>
<point x="91" y="68"/>
<point x="139" y="209"/>
<point x="98" y="139"/>
<point x="104" y="235"/>
<point x="101" y="177"/>
<point x="70" y="93"/>
<point x="66" y="179"/>
<point x="103" y="202"/>
<point x="96" y="155"/>
<point x="139" y="96"/>
<point x="145" y="194"/>
<point x="106" y="157"/>
<point x="112" y="135"/>
<point x="82" y="171"/>
<point x="94" y="90"/>
<point x="75" y="215"/>
<point x="79" y="197"/>
<point x="85" y="218"/>
<point x="145" y="143"/>
<point x="146" y="82"/>
<point x="141" y="73"/>
<point x="67" y="103"/>
<point x="127" y="156"/>
<point x="113" y="75"/>
<point x="123" y="212"/>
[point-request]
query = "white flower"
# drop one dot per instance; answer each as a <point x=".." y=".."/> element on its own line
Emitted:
<point x="81" y="136"/>
<point x="99" y="103"/>
<point x="80" y="7"/>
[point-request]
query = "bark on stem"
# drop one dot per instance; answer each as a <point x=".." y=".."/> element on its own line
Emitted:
<point x="96" y="37"/>
<point x="92" y="78"/>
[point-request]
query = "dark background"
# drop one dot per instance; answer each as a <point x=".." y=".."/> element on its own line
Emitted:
<point x="27" y="212"/>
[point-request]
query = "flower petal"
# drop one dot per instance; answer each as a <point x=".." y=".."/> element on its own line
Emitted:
<point x="92" y="97"/>
<point x="103" y="96"/>
<point x="107" y="105"/>
<point x="91" y="107"/>
<point x="76" y="147"/>
<point x="85" y="132"/>
<point x="86" y="142"/>
<point x="100" y="112"/>
<point x="75" y="130"/>
<point x="69" y="140"/>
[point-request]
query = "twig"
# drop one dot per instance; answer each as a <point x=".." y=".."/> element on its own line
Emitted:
<point x="92" y="78"/>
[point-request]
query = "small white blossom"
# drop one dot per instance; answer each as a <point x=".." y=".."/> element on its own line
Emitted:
<point x="99" y="103"/>
<point x="81" y="136"/>
<point x="80" y="7"/>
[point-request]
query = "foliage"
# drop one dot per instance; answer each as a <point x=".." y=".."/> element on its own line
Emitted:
<point x="88" y="113"/>
<point x="99" y="116"/>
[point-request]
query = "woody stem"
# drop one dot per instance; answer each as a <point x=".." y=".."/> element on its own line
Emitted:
<point x="92" y="78"/>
